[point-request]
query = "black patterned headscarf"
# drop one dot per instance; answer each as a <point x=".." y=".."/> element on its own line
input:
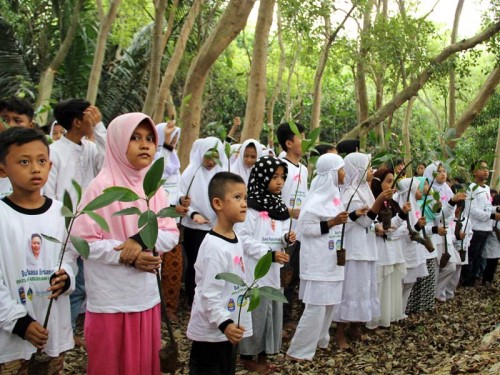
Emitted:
<point x="259" y="197"/>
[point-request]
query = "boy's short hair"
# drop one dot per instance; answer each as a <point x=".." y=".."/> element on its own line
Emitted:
<point x="496" y="200"/>
<point x="67" y="110"/>
<point x="17" y="105"/>
<point x="217" y="188"/>
<point x="285" y="133"/>
<point x="324" y="148"/>
<point x="476" y="165"/>
<point x="19" y="136"/>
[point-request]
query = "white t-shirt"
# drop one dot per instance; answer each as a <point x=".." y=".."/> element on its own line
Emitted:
<point x="5" y="187"/>
<point x="24" y="278"/>
<point x="297" y="174"/>
<point x="216" y="301"/>
<point x="480" y="208"/>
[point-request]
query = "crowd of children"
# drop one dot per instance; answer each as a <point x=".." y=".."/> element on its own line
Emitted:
<point x="408" y="243"/>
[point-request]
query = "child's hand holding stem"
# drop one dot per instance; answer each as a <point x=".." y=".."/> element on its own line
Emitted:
<point x="168" y="130"/>
<point x="406" y="207"/>
<point x="281" y="257"/>
<point x="200" y="219"/>
<point x="147" y="262"/>
<point x="341" y="218"/>
<point x="379" y="202"/>
<point x="362" y="211"/>
<point x="57" y="283"/>
<point x="290" y="237"/>
<point x="234" y="333"/>
<point x="37" y="335"/>
<point x="130" y="250"/>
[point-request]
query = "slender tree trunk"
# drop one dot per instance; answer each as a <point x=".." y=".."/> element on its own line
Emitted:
<point x="421" y="80"/>
<point x="277" y="87"/>
<point x="318" y="77"/>
<point x="406" y="133"/>
<point x="291" y="69"/>
<point x="495" y="178"/>
<point x="232" y="21"/>
<point x="156" y="55"/>
<point x="452" y="110"/>
<point x="174" y="63"/>
<point x="100" y="50"/>
<point x="46" y="82"/>
<point x="257" y="85"/>
<point x="476" y="105"/>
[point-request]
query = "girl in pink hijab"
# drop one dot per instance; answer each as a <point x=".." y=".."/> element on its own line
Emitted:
<point x="122" y="324"/>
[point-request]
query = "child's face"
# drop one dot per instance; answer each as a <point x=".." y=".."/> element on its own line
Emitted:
<point x="482" y="173"/>
<point x="420" y="170"/>
<point x="398" y="167"/>
<point x="58" y="132"/>
<point x="387" y="182"/>
<point x="250" y="157"/>
<point x="209" y="161"/>
<point x="142" y="147"/>
<point x="27" y="166"/>
<point x="234" y="206"/>
<point x="14" y="119"/>
<point x="277" y="181"/>
<point x="295" y="145"/>
<point x="441" y="175"/>
<point x="418" y="194"/>
<point x="426" y="187"/>
<point x="369" y="174"/>
<point x="341" y="175"/>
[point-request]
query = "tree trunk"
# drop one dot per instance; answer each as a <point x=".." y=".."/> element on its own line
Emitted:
<point x="157" y="49"/>
<point x="175" y="60"/>
<point x="277" y="87"/>
<point x="452" y="108"/>
<point x="232" y="21"/>
<point x="47" y="77"/>
<point x="291" y="69"/>
<point x="318" y="77"/>
<point x="100" y="50"/>
<point x="421" y="79"/>
<point x="495" y="178"/>
<point x="257" y="85"/>
<point x="476" y="105"/>
<point x="406" y="133"/>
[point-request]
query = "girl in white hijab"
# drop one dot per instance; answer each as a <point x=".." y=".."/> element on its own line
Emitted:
<point x="319" y="228"/>
<point x="249" y="152"/>
<point x="360" y="301"/>
<point x="207" y="157"/>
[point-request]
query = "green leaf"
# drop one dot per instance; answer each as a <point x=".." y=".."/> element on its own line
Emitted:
<point x="78" y="189"/>
<point x="168" y="212"/>
<point x="128" y="211"/>
<point x="149" y="232"/>
<point x="450" y="134"/>
<point x="153" y="177"/>
<point x="314" y="134"/>
<point x="160" y="184"/>
<point x="68" y="203"/>
<point x="66" y="212"/>
<point x="51" y="239"/>
<point x="254" y="299"/>
<point x="294" y="128"/>
<point x="272" y="294"/>
<point x="231" y="278"/>
<point x="263" y="266"/>
<point x="127" y="195"/>
<point x="106" y="198"/>
<point x="186" y="100"/>
<point x="99" y="220"/>
<point x="81" y="246"/>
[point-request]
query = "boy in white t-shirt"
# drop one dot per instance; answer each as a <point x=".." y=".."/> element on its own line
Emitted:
<point x="28" y="261"/>
<point x="213" y="325"/>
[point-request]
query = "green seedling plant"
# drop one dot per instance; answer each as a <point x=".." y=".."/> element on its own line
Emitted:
<point x="445" y="257"/>
<point x="80" y="245"/>
<point x="253" y="292"/>
<point x="148" y="231"/>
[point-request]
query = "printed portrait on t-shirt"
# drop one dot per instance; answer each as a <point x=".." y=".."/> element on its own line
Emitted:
<point x="34" y="249"/>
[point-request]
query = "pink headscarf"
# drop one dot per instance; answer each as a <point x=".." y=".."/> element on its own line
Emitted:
<point x="117" y="171"/>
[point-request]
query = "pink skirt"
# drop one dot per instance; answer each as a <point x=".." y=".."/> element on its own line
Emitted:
<point x="123" y="343"/>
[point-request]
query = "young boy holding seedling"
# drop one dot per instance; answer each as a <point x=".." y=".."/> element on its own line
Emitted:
<point x="293" y="194"/>
<point x="14" y="112"/>
<point x="27" y="277"/>
<point x="215" y="325"/>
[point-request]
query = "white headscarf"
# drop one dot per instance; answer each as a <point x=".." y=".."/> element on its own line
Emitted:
<point x="443" y="189"/>
<point x="356" y="170"/>
<point x="323" y="197"/>
<point x="173" y="164"/>
<point x="234" y="151"/>
<point x="201" y="176"/>
<point x="238" y="166"/>
<point x="403" y="187"/>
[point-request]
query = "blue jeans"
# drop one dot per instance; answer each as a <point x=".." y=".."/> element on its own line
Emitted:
<point x="78" y="296"/>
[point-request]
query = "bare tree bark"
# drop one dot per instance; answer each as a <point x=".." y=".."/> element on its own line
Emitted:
<point x="232" y="21"/>
<point x="257" y="85"/>
<point x="379" y="73"/>
<point x="175" y="60"/>
<point x="323" y="59"/>
<point x="100" y="50"/>
<point x="452" y="107"/>
<point x="46" y="82"/>
<point x="477" y="104"/>
<point x="406" y="133"/>
<point x="279" y="79"/>
<point x="420" y="81"/>
<point x="156" y="55"/>
<point x="291" y="70"/>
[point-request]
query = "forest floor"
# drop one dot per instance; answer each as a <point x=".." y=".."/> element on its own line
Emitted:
<point x="459" y="336"/>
